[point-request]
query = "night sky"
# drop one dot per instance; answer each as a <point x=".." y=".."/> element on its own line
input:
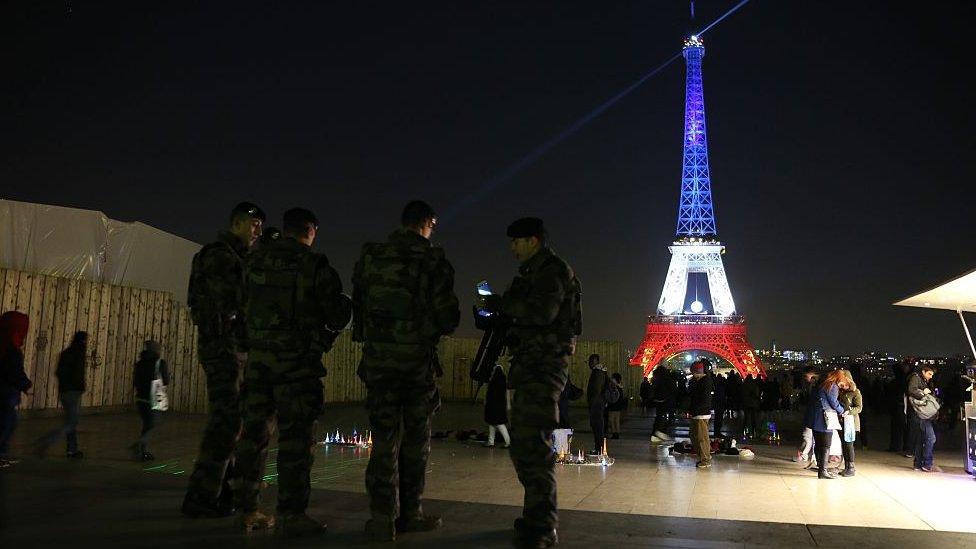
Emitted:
<point x="840" y="136"/>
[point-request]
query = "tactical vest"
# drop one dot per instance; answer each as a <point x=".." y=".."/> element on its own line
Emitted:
<point x="282" y="314"/>
<point x="395" y="294"/>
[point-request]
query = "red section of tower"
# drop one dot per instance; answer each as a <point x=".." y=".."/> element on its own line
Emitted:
<point x="667" y="336"/>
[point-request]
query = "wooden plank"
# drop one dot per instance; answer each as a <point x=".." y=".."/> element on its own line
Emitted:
<point x="8" y="299"/>
<point x="100" y="358"/>
<point x="122" y="343"/>
<point x="81" y="325"/>
<point x="34" y="317"/>
<point x="112" y="343"/>
<point x="178" y="369"/>
<point x="24" y="292"/>
<point x="47" y="388"/>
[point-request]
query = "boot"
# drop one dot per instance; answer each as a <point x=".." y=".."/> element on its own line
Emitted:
<point x="197" y="507"/>
<point x="527" y="536"/>
<point x="296" y="525"/>
<point x="848" y="471"/>
<point x="417" y="523"/>
<point x="381" y="528"/>
<point x="826" y="475"/>
<point x="256" y="520"/>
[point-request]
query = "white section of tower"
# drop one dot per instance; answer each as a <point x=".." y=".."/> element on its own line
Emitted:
<point x="691" y="257"/>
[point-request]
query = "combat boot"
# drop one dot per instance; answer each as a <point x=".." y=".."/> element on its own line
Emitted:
<point x="296" y="525"/>
<point x="417" y="523"/>
<point x="197" y="507"/>
<point x="381" y="528"/>
<point x="528" y="536"/>
<point x="256" y="520"/>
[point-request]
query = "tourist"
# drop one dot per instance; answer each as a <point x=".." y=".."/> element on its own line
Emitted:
<point x="616" y="409"/>
<point x="13" y="380"/>
<point x="148" y="368"/>
<point x="920" y="385"/>
<point x="71" y="385"/>
<point x="646" y="396"/>
<point x="595" y="389"/>
<point x="719" y="399"/>
<point x="823" y="415"/>
<point x="496" y="406"/>
<point x="902" y="440"/>
<point x="751" y="400"/>
<point x="808" y="394"/>
<point x="664" y="389"/>
<point x="700" y="410"/>
<point x="852" y="400"/>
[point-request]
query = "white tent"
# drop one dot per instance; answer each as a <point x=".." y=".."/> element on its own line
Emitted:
<point x="85" y="244"/>
<point x="959" y="294"/>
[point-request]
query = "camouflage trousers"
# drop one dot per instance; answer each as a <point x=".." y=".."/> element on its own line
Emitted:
<point x="214" y="469"/>
<point x="534" y="416"/>
<point x="296" y="405"/>
<point x="400" y="420"/>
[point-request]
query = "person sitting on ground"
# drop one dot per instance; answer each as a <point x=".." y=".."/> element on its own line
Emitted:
<point x="496" y="406"/>
<point x="616" y="409"/>
<point x="148" y="368"/>
<point x="700" y="409"/>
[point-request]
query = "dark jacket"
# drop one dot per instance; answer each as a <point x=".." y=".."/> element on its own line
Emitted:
<point x="718" y="393"/>
<point x="820" y="401"/>
<point x="621" y="403"/>
<point x="663" y="388"/>
<point x="145" y="373"/>
<point x="595" y="388"/>
<point x="751" y="393"/>
<point x="645" y="392"/>
<point x="917" y="386"/>
<point x="700" y="391"/>
<point x="496" y="400"/>
<point x="13" y="379"/>
<point x="71" y="369"/>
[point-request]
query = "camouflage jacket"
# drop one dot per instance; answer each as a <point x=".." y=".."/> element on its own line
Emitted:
<point x="216" y="296"/>
<point x="403" y="302"/>
<point x="294" y="309"/>
<point x="543" y="305"/>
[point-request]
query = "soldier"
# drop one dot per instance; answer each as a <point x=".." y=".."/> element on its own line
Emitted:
<point x="404" y="301"/>
<point x="542" y="306"/>
<point x="215" y="297"/>
<point x="295" y="308"/>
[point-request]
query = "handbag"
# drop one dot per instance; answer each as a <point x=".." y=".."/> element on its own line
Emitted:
<point x="926" y="407"/>
<point x="850" y="432"/>
<point x="157" y="392"/>
<point x="833" y="421"/>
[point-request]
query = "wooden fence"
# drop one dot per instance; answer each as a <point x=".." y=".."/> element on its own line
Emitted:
<point x="119" y="319"/>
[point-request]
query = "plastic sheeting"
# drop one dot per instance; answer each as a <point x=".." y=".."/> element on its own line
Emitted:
<point x="85" y="244"/>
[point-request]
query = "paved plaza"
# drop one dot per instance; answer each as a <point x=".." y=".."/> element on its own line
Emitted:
<point x="646" y="498"/>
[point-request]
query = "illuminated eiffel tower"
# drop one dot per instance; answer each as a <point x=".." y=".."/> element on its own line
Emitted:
<point x="715" y="326"/>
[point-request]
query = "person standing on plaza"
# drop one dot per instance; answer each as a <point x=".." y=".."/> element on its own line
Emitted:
<point x="823" y="415"/>
<point x="294" y="310"/>
<point x="404" y="302"/>
<point x="646" y="395"/>
<point x="149" y="368"/>
<point x="496" y="406"/>
<point x="853" y="402"/>
<point x="596" y="401"/>
<point x="751" y="400"/>
<point x="901" y="441"/>
<point x="665" y="390"/>
<point x="543" y="304"/>
<point x="920" y="388"/>
<point x="700" y="409"/>
<point x="809" y="392"/>
<point x="13" y="379"/>
<point x="616" y="410"/>
<point x="719" y="399"/>
<point x="71" y="386"/>
<point x="216" y="300"/>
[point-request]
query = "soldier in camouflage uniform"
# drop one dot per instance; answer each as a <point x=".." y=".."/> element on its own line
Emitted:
<point x="215" y="297"/>
<point x="542" y="306"/>
<point x="294" y="310"/>
<point x="404" y="301"/>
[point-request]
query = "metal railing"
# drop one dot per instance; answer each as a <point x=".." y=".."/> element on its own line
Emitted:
<point x="697" y="319"/>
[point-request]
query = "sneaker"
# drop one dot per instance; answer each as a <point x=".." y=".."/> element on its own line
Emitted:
<point x="656" y="439"/>
<point x="826" y="475"/>
<point x="490" y="445"/>
<point x="256" y="520"/>
<point x="381" y="529"/>
<point x="506" y="446"/>
<point x="703" y="464"/>
<point x="419" y="523"/>
<point x="296" y="525"/>
<point x="799" y="458"/>
<point x="77" y="454"/>
<point x="196" y="507"/>
<point x="932" y="469"/>
<point x="908" y="455"/>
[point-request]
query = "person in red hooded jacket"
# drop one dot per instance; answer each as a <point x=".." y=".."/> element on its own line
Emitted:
<point x="13" y="380"/>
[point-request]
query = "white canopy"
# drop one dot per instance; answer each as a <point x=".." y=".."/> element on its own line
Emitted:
<point x="957" y="295"/>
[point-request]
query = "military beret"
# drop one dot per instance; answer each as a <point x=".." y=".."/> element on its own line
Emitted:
<point x="526" y="227"/>
<point x="248" y="208"/>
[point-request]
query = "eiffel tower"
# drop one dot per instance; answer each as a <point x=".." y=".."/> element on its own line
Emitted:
<point x="713" y="325"/>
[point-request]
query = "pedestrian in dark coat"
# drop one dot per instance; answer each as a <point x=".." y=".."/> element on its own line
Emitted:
<point x="71" y="386"/>
<point x="496" y="406"/>
<point x="149" y="367"/>
<point x="13" y="379"/>
<point x="751" y="399"/>
<point x="595" y="399"/>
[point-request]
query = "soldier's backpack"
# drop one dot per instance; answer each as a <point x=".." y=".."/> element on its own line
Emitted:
<point x="280" y="313"/>
<point x="395" y="300"/>
<point x="196" y="292"/>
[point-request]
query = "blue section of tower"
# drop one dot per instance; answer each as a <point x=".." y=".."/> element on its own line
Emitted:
<point x="695" y="214"/>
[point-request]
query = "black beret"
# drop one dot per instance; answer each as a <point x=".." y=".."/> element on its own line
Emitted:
<point x="526" y="227"/>
<point x="248" y="208"/>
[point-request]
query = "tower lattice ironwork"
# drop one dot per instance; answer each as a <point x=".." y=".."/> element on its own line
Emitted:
<point x="678" y="326"/>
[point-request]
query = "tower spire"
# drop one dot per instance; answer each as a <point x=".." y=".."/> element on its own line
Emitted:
<point x="696" y="217"/>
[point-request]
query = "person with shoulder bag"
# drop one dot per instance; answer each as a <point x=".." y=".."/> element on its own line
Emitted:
<point x="926" y="408"/>
<point x="150" y="381"/>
